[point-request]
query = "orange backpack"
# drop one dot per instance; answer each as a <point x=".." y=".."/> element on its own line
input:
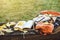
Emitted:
<point x="45" y="28"/>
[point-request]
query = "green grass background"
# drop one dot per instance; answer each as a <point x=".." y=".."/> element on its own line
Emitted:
<point x="15" y="10"/>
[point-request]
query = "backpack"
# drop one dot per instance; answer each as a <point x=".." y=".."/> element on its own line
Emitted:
<point x="57" y="22"/>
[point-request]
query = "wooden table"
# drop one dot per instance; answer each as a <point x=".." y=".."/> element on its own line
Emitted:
<point x="31" y="37"/>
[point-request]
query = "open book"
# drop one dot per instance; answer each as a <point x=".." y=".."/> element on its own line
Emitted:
<point x="24" y="24"/>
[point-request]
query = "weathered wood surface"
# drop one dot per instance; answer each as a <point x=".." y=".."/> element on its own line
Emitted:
<point x="31" y="37"/>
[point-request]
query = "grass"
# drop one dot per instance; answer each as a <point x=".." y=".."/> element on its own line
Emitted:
<point x="15" y="10"/>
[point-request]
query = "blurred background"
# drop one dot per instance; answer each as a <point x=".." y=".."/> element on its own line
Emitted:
<point x="15" y="10"/>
